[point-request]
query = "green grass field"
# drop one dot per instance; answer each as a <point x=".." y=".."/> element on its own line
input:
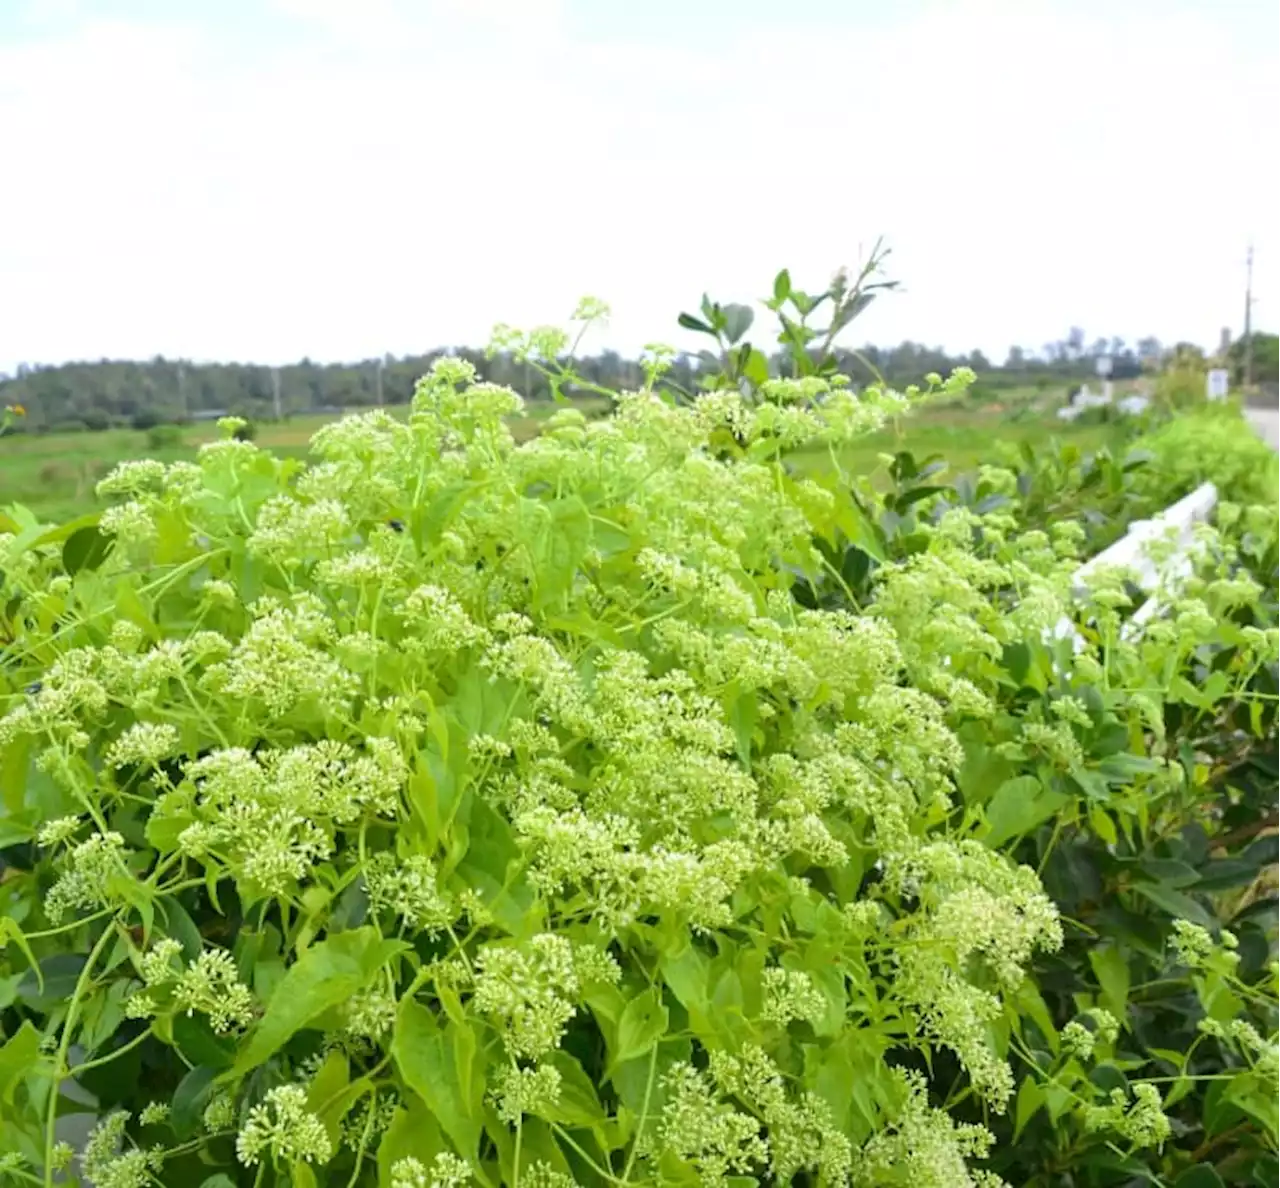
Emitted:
<point x="55" y="474"/>
<point x="964" y="437"/>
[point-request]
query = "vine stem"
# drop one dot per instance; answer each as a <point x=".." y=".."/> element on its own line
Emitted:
<point x="26" y="1176"/>
<point x="564" y="1135"/>
<point x="515" y="1161"/>
<point x="120" y="1051"/>
<point x="644" y="1116"/>
<point x="80" y="923"/>
<point x="364" y="1142"/>
<point x="60" y="1069"/>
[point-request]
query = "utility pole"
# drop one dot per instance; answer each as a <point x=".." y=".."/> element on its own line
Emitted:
<point x="1248" y="320"/>
<point x="182" y="390"/>
<point x="381" y="359"/>
<point x="275" y="392"/>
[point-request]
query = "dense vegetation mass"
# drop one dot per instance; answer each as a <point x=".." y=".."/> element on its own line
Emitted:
<point x="627" y="806"/>
<point x="102" y="394"/>
<point x="98" y="395"/>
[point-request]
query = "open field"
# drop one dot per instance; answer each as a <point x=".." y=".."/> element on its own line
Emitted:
<point x="54" y="474"/>
<point x="964" y="436"/>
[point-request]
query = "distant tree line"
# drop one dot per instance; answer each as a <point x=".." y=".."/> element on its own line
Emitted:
<point x="1263" y="355"/>
<point x="108" y="393"/>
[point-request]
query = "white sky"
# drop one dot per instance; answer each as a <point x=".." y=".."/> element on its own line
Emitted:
<point x="267" y="179"/>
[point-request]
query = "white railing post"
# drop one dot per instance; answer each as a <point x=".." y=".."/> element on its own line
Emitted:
<point x="1176" y="525"/>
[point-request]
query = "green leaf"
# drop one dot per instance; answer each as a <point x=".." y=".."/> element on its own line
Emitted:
<point x="983" y="770"/>
<point x="559" y="545"/>
<point x="62" y="531"/>
<point x="1202" y="1175"/>
<point x="199" y="1044"/>
<point x="464" y="1057"/>
<point x="1018" y="806"/>
<point x="743" y="714"/>
<point x="491" y="854"/>
<point x="537" y="1145"/>
<point x="1124" y="767"/>
<point x="802" y="301"/>
<point x="915" y="494"/>
<point x="1102" y="824"/>
<point x="1111" y="968"/>
<point x="11" y="933"/>
<point x="861" y="529"/>
<point x="737" y="321"/>
<point x="430" y="523"/>
<point x="632" y="1079"/>
<point x="577" y="1103"/>
<point x="688" y="975"/>
<point x="192" y="1095"/>
<point x="181" y="927"/>
<point x="326" y="975"/>
<point x="86" y="548"/>
<point x="106" y="1013"/>
<point x="782" y="286"/>
<point x="689" y="322"/>
<point x="17" y="1058"/>
<point x="326" y="1086"/>
<point x="727" y="1003"/>
<point x="853" y="308"/>
<point x="1030" y="1003"/>
<point x="1178" y="905"/>
<point x="424" y="1053"/>
<point x="52" y="982"/>
<point x="1030" y="1099"/>
<point x="1266" y="1172"/>
<point x="756" y="367"/>
<point x="413" y="1133"/>
<point x="1170" y="872"/>
<point x="644" y="1021"/>
<point x="1223" y="874"/>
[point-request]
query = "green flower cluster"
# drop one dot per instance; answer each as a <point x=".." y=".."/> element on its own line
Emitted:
<point x="447" y="811"/>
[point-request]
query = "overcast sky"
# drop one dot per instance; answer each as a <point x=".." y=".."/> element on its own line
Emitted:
<point x="267" y="179"/>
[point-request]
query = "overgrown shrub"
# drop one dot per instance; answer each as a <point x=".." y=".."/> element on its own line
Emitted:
<point x="448" y="810"/>
<point x="146" y="418"/>
<point x="164" y="437"/>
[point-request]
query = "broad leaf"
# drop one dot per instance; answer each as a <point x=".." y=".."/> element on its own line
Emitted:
<point x="86" y="548"/>
<point x="326" y="975"/>
<point x="1177" y="904"/>
<point x="737" y="321"/>
<point x="17" y="1058"/>
<point x="426" y="1055"/>
<point x="643" y="1023"/>
<point x="1018" y="806"/>
<point x="1111" y="968"/>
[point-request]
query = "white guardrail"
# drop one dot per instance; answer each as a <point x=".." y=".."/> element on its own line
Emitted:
<point x="1176" y="524"/>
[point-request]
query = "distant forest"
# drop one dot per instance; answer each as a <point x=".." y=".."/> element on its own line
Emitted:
<point x="105" y="394"/>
